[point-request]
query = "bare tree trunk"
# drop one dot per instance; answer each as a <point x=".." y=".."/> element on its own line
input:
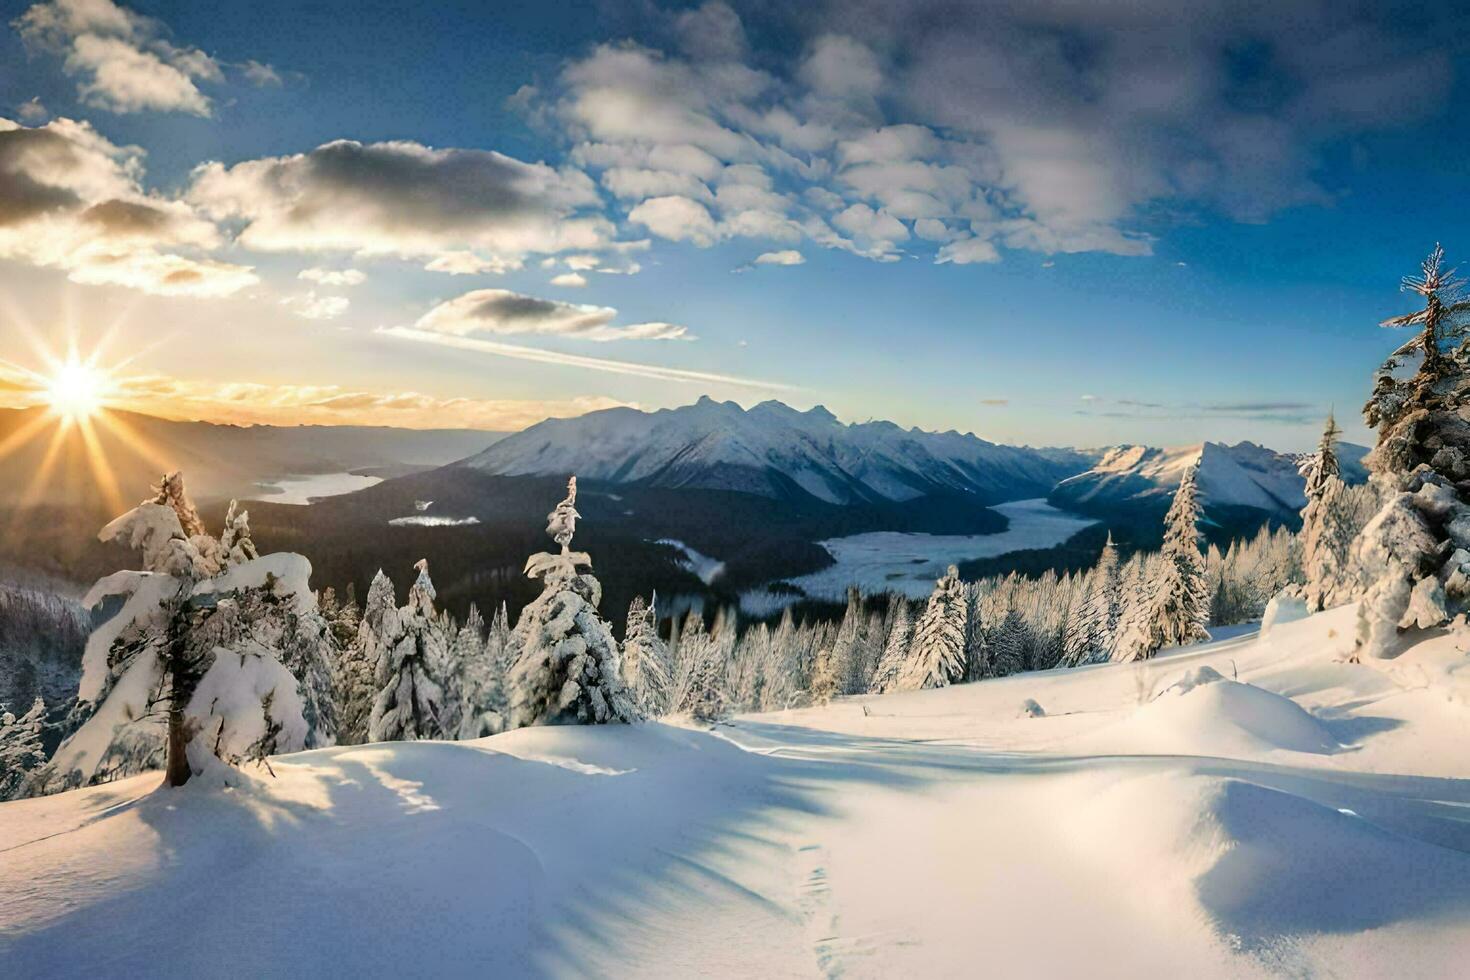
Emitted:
<point x="177" y="770"/>
<point x="177" y="766"/>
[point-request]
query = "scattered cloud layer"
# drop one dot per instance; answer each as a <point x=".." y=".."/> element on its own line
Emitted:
<point x="504" y="313"/>
<point x="72" y="200"/>
<point x="955" y="132"/>
<point x="1276" y="412"/>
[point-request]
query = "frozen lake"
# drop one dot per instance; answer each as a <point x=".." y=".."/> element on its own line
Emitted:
<point x="301" y="489"/>
<point x="897" y="561"/>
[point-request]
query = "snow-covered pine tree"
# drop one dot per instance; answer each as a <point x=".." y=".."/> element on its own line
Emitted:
<point x="646" y="669"/>
<point x="824" y="676"/>
<point x="484" y="681"/>
<point x="1327" y="532"/>
<point x="1091" y="629"/>
<point x="467" y="654"/>
<point x="1008" y="645"/>
<point x="410" y="699"/>
<point x="848" y="647"/>
<point x="977" y="639"/>
<point x="1415" y="553"/>
<point x="781" y="681"/>
<point x="746" y="676"/>
<point x="21" y="752"/>
<point x="1176" y="607"/>
<point x="355" y="681"/>
<point x="699" y="678"/>
<point x="895" y="649"/>
<point x="937" y="651"/>
<point x="191" y="672"/>
<point x="567" y="669"/>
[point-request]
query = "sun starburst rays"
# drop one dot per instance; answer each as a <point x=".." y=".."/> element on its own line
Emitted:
<point x="73" y="397"/>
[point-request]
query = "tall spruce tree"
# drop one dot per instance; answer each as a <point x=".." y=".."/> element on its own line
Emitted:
<point x="1175" y="607"/>
<point x="1327" y="531"/>
<point x="699" y="678"/>
<point x="355" y="683"/>
<point x="410" y="700"/>
<point x="567" y="668"/>
<point x="895" y="649"/>
<point x="1415" y="553"/>
<point x="646" y="669"/>
<point x="937" y="651"/>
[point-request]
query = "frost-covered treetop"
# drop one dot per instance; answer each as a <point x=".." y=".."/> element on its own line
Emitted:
<point x="422" y="594"/>
<point x="561" y="524"/>
<point x="1443" y="315"/>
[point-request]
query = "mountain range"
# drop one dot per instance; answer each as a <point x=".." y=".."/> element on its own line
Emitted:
<point x="775" y="451"/>
<point x="1239" y="480"/>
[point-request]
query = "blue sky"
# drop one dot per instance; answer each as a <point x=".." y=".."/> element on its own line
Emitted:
<point x="1044" y="222"/>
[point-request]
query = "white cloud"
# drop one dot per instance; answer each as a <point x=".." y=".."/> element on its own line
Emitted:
<point x="464" y="210"/>
<point x="789" y="256"/>
<point x="569" y="280"/>
<point x="123" y="59"/>
<point x="160" y="273"/>
<point x="32" y="111"/>
<point x="74" y="201"/>
<point x="676" y="218"/>
<point x="333" y="277"/>
<point x="261" y="75"/>
<point x="502" y="312"/>
<point x="460" y="263"/>
<point x="312" y="306"/>
<point x="968" y="251"/>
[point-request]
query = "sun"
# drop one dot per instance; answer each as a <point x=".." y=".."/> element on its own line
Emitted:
<point x="76" y="390"/>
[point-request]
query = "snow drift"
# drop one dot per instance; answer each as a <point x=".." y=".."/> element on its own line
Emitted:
<point x="1304" y="820"/>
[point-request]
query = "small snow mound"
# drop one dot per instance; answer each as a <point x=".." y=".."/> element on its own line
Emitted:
<point x="1206" y="714"/>
<point x="1283" y="608"/>
<point x="1030" y="709"/>
<point x="1191" y="679"/>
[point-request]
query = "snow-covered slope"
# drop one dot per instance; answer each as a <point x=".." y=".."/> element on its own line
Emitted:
<point x="776" y="451"/>
<point x="1244" y="809"/>
<point x="1243" y="475"/>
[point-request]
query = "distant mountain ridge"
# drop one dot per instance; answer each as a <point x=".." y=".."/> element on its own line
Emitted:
<point x="775" y="451"/>
<point x="1243" y="476"/>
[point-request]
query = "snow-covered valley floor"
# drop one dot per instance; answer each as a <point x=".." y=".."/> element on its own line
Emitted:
<point x="1163" y="820"/>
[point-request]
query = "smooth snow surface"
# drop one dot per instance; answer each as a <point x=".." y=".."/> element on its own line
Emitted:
<point x="303" y="490"/>
<point x="910" y="563"/>
<point x="1247" y="808"/>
